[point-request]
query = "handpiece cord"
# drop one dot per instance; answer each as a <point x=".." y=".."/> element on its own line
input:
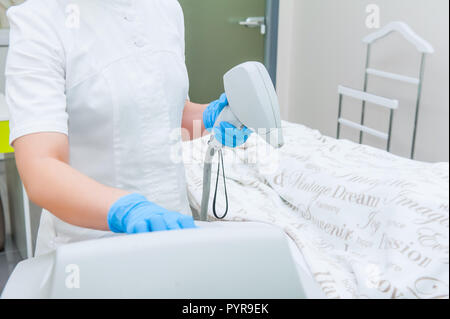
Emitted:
<point x="220" y="162"/>
<point x="207" y="168"/>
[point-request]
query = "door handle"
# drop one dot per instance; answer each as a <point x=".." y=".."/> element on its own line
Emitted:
<point x="255" y="22"/>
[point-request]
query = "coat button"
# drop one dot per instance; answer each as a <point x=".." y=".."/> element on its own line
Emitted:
<point x="140" y="42"/>
<point x="129" y="17"/>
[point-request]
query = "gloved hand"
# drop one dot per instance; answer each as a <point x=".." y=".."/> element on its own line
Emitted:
<point x="134" y="214"/>
<point x="230" y="136"/>
<point x="224" y="132"/>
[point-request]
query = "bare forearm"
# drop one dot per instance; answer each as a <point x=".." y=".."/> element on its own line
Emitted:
<point x="71" y="196"/>
<point x="193" y="120"/>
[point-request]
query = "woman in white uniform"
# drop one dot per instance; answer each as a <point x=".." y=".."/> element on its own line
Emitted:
<point x="95" y="90"/>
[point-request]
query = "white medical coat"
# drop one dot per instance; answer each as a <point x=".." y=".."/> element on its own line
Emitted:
<point x="111" y="75"/>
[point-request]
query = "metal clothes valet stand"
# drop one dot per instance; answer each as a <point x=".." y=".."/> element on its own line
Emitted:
<point x="423" y="47"/>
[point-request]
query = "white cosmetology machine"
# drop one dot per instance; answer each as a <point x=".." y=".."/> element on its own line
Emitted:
<point x="216" y="260"/>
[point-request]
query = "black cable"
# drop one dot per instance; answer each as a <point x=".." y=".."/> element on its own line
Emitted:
<point x="217" y="184"/>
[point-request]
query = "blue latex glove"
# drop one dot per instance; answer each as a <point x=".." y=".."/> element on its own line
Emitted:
<point x="224" y="132"/>
<point x="230" y="136"/>
<point x="134" y="214"/>
<point x="213" y="111"/>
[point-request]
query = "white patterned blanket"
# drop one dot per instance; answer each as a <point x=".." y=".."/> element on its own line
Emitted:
<point x="368" y="224"/>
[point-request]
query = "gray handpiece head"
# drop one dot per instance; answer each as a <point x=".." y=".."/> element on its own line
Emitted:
<point x="253" y="102"/>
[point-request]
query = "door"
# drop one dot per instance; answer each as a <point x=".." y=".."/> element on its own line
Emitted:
<point x="218" y="39"/>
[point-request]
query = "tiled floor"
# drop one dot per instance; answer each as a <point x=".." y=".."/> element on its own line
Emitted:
<point x="8" y="260"/>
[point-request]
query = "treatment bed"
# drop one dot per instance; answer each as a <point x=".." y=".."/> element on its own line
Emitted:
<point x="363" y="223"/>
